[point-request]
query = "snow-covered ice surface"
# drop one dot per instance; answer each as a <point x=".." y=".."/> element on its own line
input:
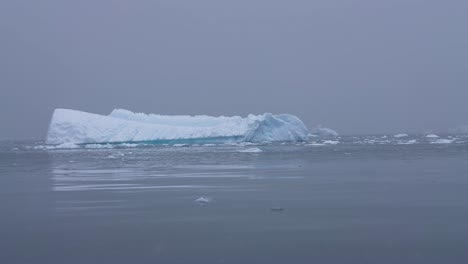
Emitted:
<point x="70" y="126"/>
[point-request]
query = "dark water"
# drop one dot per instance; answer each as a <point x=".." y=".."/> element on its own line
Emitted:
<point x="358" y="200"/>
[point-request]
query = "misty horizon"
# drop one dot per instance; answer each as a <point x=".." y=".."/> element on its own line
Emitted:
<point x="361" y="67"/>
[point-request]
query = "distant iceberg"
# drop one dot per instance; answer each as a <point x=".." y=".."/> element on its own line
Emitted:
<point x="70" y="126"/>
<point x="443" y="141"/>
<point x="323" y="132"/>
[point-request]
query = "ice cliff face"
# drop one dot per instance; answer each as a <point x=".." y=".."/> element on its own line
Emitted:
<point x="70" y="126"/>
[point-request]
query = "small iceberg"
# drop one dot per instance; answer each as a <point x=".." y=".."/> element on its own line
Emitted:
<point x="315" y="144"/>
<point x="443" y="141"/>
<point x="400" y="135"/>
<point x="432" y="136"/>
<point x="409" y="142"/>
<point x="251" y="150"/>
<point x="203" y="200"/>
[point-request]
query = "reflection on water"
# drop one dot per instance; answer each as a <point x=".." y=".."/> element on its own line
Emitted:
<point x="159" y="168"/>
<point x="301" y="202"/>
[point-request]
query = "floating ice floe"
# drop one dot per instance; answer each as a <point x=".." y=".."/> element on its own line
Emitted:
<point x="203" y="200"/>
<point x="60" y="146"/>
<point x="330" y="142"/>
<point x="99" y="146"/>
<point x="400" y="135"/>
<point x="315" y="144"/>
<point x="409" y="142"/>
<point x="251" y="150"/>
<point x="180" y="145"/>
<point x="443" y="141"/>
<point x="122" y="126"/>
<point x="432" y="136"/>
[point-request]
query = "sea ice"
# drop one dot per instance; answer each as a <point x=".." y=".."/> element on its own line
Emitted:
<point x="100" y="146"/>
<point x="315" y="144"/>
<point x="443" y="141"/>
<point x="400" y="135"/>
<point x="203" y="200"/>
<point x="70" y="126"/>
<point x="432" y="136"/>
<point x="180" y="145"/>
<point x="409" y="142"/>
<point x="251" y="150"/>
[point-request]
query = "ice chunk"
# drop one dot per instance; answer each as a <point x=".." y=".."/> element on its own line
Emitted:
<point x="203" y="200"/>
<point x="443" y="141"/>
<point x="70" y="126"/>
<point x="251" y="150"/>
<point x="100" y="146"/>
<point x="432" y="136"/>
<point x="180" y="145"/>
<point x="315" y="144"/>
<point x="323" y="132"/>
<point x="400" y="135"/>
<point x="60" y="146"/>
<point x="409" y="142"/>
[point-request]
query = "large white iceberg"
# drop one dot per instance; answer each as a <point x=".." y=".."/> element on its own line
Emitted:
<point x="70" y="126"/>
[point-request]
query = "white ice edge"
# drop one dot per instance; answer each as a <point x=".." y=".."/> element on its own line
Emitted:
<point x="76" y="127"/>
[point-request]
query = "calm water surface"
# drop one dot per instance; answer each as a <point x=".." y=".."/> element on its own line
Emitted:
<point x="349" y="200"/>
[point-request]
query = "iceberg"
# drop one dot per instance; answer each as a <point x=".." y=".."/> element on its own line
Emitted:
<point x="123" y="126"/>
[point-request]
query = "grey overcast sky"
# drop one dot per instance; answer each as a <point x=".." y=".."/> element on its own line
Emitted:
<point x="358" y="66"/>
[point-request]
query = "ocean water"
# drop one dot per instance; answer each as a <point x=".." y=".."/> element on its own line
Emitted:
<point x="354" y="199"/>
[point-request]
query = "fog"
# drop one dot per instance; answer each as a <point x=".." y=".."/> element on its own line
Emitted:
<point x="359" y="66"/>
